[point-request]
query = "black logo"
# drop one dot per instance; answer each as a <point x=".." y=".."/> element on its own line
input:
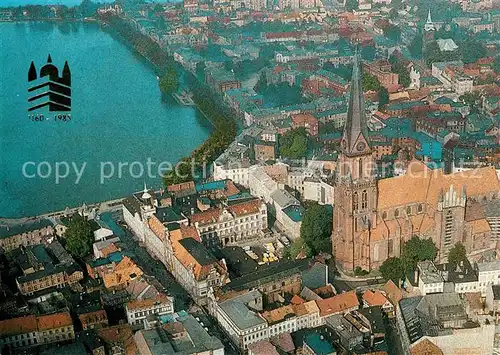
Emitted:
<point x="55" y="92"/>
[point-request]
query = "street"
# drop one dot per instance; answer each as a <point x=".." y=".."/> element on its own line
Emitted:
<point x="155" y="268"/>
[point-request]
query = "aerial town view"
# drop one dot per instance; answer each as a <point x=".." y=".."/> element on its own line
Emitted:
<point x="261" y="177"/>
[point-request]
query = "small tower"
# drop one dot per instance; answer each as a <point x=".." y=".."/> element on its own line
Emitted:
<point x="429" y="25"/>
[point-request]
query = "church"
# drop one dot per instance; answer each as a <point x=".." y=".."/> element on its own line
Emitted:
<point x="372" y="218"/>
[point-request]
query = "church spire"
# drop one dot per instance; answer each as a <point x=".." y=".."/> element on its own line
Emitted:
<point x="429" y="25"/>
<point x="355" y="137"/>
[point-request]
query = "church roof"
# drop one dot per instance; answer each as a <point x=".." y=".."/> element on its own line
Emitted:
<point x="423" y="185"/>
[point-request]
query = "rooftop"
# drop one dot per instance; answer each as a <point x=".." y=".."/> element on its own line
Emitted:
<point x="9" y="231"/>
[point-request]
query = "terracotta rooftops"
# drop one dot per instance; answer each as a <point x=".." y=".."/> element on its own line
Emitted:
<point x="20" y="325"/>
<point x="374" y="298"/>
<point x="338" y="304"/>
<point x="148" y="303"/>
<point x="56" y="320"/>
<point x="240" y="209"/>
<point x="424" y="185"/>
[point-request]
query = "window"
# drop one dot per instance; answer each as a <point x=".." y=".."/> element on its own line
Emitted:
<point x="396" y="213"/>
<point x="408" y="210"/>
<point x="364" y="199"/>
<point x="355" y="201"/>
<point x="360" y="163"/>
<point x="384" y="215"/>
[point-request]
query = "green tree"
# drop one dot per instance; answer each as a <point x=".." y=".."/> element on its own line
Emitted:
<point x="471" y="51"/>
<point x="393" y="32"/>
<point x="416" y="250"/>
<point x="169" y="82"/>
<point x="370" y="82"/>
<point x="457" y="254"/>
<point x="416" y="46"/>
<point x="293" y="144"/>
<point x="316" y="228"/>
<point x="472" y="99"/>
<point x="383" y="97"/>
<point x="392" y="269"/>
<point x="297" y="246"/>
<point x="261" y="84"/>
<point x="79" y="236"/>
<point x="368" y="53"/>
<point x="398" y="67"/>
<point x="496" y="65"/>
<point x="351" y="5"/>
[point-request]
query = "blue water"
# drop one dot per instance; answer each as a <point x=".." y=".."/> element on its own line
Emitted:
<point x="118" y="115"/>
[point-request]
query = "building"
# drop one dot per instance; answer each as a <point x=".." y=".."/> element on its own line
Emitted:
<point x="488" y="274"/>
<point x="232" y="224"/>
<point x="239" y="317"/>
<point x="120" y="276"/>
<point x="184" y="335"/>
<point x="12" y="237"/>
<point x="192" y="264"/>
<point x="138" y="310"/>
<point x="30" y="331"/>
<point x="221" y="79"/>
<point x="93" y="319"/>
<point x="373" y="218"/>
<point x="307" y="121"/>
<point x="429" y="278"/>
<point x="42" y="271"/>
<point x="382" y="71"/>
<point x="492" y="301"/>
<point x="316" y="189"/>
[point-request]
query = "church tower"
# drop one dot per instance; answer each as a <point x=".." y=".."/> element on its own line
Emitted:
<point x="355" y="191"/>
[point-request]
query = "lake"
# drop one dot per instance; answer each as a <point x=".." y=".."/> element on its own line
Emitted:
<point x="118" y="116"/>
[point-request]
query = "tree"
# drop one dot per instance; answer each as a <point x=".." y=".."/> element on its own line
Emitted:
<point x="169" y="82"/>
<point x="496" y="65"/>
<point x="368" y="53"/>
<point x="416" y="45"/>
<point x="351" y="5"/>
<point x="383" y="97"/>
<point x="261" y="84"/>
<point x="416" y="250"/>
<point x="457" y="254"/>
<point x="398" y="67"/>
<point x="472" y="99"/>
<point x="370" y="82"/>
<point x="316" y="228"/>
<point x="392" y="269"/>
<point x="471" y="51"/>
<point x="297" y="246"/>
<point x="293" y="144"/>
<point x="79" y="236"/>
<point x="393" y="33"/>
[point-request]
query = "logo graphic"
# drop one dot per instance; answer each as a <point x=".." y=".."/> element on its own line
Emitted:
<point x="49" y="88"/>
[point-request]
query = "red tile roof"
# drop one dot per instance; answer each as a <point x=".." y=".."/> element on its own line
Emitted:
<point x="53" y="321"/>
<point x="338" y="304"/>
<point x="375" y="298"/>
<point x="245" y="208"/>
<point x="20" y="325"/>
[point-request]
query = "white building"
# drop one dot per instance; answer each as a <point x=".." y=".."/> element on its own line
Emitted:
<point x="232" y="224"/>
<point x="488" y="274"/>
<point x="315" y="189"/>
<point x="429" y="278"/>
<point x="138" y="310"/>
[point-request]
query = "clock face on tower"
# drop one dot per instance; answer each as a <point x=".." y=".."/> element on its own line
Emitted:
<point x="361" y="146"/>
